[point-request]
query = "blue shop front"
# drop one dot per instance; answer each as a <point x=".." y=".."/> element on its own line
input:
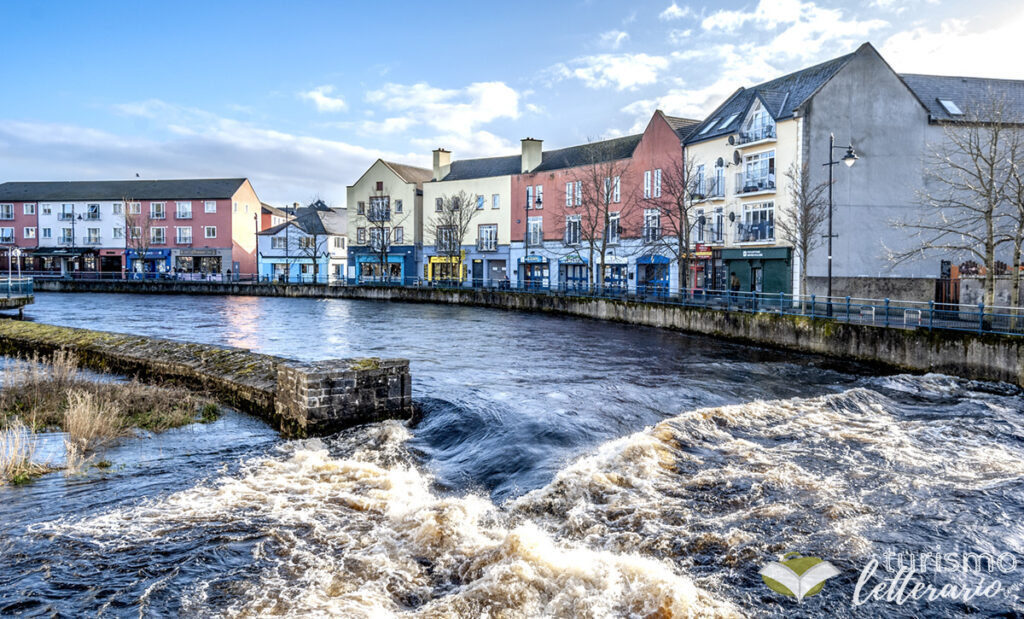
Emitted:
<point x="364" y="265"/>
<point x="652" y="275"/>
<point x="154" y="261"/>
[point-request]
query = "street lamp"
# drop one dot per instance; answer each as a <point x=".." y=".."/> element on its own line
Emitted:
<point x="849" y="159"/>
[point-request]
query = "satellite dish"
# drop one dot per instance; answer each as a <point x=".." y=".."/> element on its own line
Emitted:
<point x="720" y="162"/>
<point x="732" y="217"/>
<point x="732" y="139"/>
<point x="701" y="221"/>
<point x="736" y="158"/>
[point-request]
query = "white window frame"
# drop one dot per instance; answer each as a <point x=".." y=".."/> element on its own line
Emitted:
<point x="766" y="208"/>
<point x="480" y="202"/>
<point x="5" y="209"/>
<point x="29" y="232"/>
<point x="47" y="233"/>
<point x="153" y="206"/>
<point x="579" y="193"/>
<point x="538" y="202"/>
<point x="652" y="216"/>
<point x="28" y="208"/>
<point x="177" y="235"/>
<point x="209" y="206"/>
<point x="117" y="208"/>
<point x="495" y="201"/>
<point x="399" y="235"/>
<point x="647" y="184"/>
<point x="361" y="236"/>
<point x="153" y="235"/>
<point x="568" y="193"/>
<point x="613" y="231"/>
<point x="573" y="230"/>
<point x="657" y="183"/>
<point x="700" y="228"/>
<point x="178" y="213"/>
<point x="398" y="207"/>
<point x="7" y="234"/>
<point x="206" y="232"/>
<point x="135" y="208"/>
<point x="535" y="230"/>
<point x="278" y="242"/>
<point x="118" y="232"/>
<point x="529" y="197"/>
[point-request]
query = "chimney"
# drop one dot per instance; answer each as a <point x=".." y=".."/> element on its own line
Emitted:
<point x="531" y="154"/>
<point x="442" y="163"/>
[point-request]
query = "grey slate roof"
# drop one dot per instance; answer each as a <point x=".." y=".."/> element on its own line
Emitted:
<point x="463" y="169"/>
<point x="410" y="174"/>
<point x="780" y="96"/>
<point x="314" y="221"/>
<point x="184" y="189"/>
<point x="682" y="126"/>
<point x="272" y="210"/>
<point x="573" y="156"/>
<point x="970" y="94"/>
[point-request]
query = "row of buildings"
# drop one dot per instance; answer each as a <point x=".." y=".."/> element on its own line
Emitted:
<point x="533" y="223"/>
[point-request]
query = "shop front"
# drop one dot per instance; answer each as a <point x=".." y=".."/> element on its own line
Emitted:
<point x="370" y="269"/>
<point x="66" y="261"/>
<point x="702" y="268"/>
<point x="652" y="275"/>
<point x="153" y="262"/>
<point x="534" y="271"/>
<point x="449" y="270"/>
<point x="616" y="273"/>
<point x="573" y="272"/>
<point x="198" y="262"/>
<point x="766" y="270"/>
<point x="111" y="260"/>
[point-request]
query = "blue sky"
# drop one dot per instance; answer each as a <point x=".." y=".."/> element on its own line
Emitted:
<point x="302" y="96"/>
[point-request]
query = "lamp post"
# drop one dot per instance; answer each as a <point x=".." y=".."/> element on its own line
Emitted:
<point x="849" y="159"/>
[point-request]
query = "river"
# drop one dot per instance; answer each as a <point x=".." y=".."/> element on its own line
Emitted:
<point x="562" y="467"/>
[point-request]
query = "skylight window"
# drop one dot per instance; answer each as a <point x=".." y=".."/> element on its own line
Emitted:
<point x="951" y="108"/>
<point x="728" y="121"/>
<point x="708" y="128"/>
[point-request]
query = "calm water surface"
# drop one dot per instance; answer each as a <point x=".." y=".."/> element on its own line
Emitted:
<point x="562" y="467"/>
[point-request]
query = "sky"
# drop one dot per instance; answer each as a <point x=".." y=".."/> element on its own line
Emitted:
<point x="301" y="97"/>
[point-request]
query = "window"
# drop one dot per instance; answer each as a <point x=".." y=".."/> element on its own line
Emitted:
<point x="727" y="121"/>
<point x="568" y="194"/>
<point x="647" y="184"/>
<point x="119" y="233"/>
<point x="399" y="235"/>
<point x="538" y="192"/>
<point x="28" y="209"/>
<point x="572" y="230"/>
<point x="699" y="223"/>
<point x="210" y="206"/>
<point x="487" y="237"/>
<point x="92" y="211"/>
<point x="29" y="233"/>
<point x="612" y="231"/>
<point x="378" y="237"/>
<point x="398" y="206"/>
<point x="758" y="222"/>
<point x="47" y="209"/>
<point x="7" y="234"/>
<point x="136" y="232"/>
<point x="759" y="125"/>
<point x="699" y="188"/>
<point x="496" y="201"/>
<point x="535" y="230"/>
<point x="156" y="210"/>
<point x="652" y="225"/>
<point x="6" y="211"/>
<point x="439" y="205"/>
<point x="718" y="188"/>
<point x="579" y="193"/>
<point x="135" y="208"/>
<point x="67" y="212"/>
<point x="380" y="185"/>
<point x="607" y="190"/>
<point x="236" y="207"/>
<point x="657" y="184"/>
<point x="278" y="242"/>
<point x="479" y="203"/>
<point x="339" y="242"/>
<point x="184" y="210"/>
<point x="446" y="241"/>
<point x="67" y="236"/>
<point x="952" y="108"/>
<point x="307" y="242"/>
<point x="360" y="208"/>
<point x="210" y="232"/>
<point x="617" y="188"/>
<point x="380" y="209"/>
<point x="759" y="172"/>
<point x="361" y="236"/>
<point x="92" y="236"/>
<point x="183" y="235"/>
<point x="117" y="208"/>
<point x="158" y="236"/>
<point x="529" y="196"/>
<point x="708" y="127"/>
<point x="47" y="233"/>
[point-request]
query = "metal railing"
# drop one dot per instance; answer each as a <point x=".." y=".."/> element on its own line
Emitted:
<point x="889" y="313"/>
<point x="16" y="287"/>
<point x="766" y="132"/>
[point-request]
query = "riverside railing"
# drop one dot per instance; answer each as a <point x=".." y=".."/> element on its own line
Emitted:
<point x="16" y="287"/>
<point x="892" y="313"/>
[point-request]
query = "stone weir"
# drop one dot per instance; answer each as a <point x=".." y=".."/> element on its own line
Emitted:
<point x="298" y="399"/>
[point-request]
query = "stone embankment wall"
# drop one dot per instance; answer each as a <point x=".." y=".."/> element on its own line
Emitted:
<point x="299" y="399"/>
<point x="970" y="355"/>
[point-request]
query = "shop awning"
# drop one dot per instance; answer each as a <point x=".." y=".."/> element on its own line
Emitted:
<point x="62" y="252"/>
<point x="652" y="260"/>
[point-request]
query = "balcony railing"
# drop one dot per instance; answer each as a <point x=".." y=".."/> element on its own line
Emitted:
<point x="160" y="215"/>
<point x="753" y="184"/>
<point x="6" y="240"/>
<point x="377" y="214"/>
<point x="716" y="188"/>
<point x="91" y="240"/>
<point x="92" y="216"/>
<point x="652" y="235"/>
<point x="183" y="215"/>
<point x="183" y="241"/>
<point x="756" y="134"/>
<point x="753" y="233"/>
<point x="487" y="245"/>
<point x="65" y="240"/>
<point x="65" y="216"/>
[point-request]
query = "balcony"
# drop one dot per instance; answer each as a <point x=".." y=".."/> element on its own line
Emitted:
<point x="749" y="185"/>
<point x="378" y="215"/>
<point x="756" y="135"/>
<point x="183" y="215"/>
<point x="158" y="215"/>
<point x="652" y="235"/>
<point x="7" y="216"/>
<point x="183" y="241"/>
<point x="487" y="245"/>
<point x="65" y="216"/>
<point x="6" y="240"/>
<point x="65" y="240"/>
<point x="91" y="240"/>
<point x="762" y="232"/>
<point x="92" y="216"/>
<point x="709" y="189"/>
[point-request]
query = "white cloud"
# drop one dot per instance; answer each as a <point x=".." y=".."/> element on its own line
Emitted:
<point x="678" y="37"/>
<point x="620" y="71"/>
<point x="959" y="47"/>
<point x="190" y="143"/>
<point x="614" y="39"/>
<point x="674" y="11"/>
<point x="320" y="96"/>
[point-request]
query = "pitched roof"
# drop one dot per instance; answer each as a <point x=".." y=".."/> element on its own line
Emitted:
<point x="573" y="156"/>
<point x="272" y="210"/>
<point x="410" y="174"/>
<point x="682" y="126"/>
<point x="314" y="222"/>
<point x="780" y="96"/>
<point x="972" y="95"/>
<point x="463" y="169"/>
<point x="201" y="188"/>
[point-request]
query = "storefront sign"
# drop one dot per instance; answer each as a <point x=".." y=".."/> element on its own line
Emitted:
<point x="766" y="253"/>
<point x="197" y="252"/>
<point x="574" y="259"/>
<point x="535" y="259"/>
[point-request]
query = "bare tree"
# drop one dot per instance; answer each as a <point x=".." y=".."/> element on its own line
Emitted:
<point x="137" y="231"/>
<point x="963" y="198"/>
<point x="802" y="215"/>
<point x="313" y="243"/>
<point x="602" y="204"/>
<point x="449" y="226"/>
<point x="1015" y="202"/>
<point x="676" y="206"/>
<point x="382" y="219"/>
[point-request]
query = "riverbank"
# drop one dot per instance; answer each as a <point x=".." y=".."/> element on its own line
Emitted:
<point x="988" y="357"/>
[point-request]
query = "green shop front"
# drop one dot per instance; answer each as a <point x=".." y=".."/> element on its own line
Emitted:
<point x="763" y="269"/>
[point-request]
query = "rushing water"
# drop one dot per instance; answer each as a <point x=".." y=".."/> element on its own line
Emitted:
<point x="562" y="467"/>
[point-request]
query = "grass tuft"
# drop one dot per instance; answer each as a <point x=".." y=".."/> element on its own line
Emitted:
<point x="17" y="454"/>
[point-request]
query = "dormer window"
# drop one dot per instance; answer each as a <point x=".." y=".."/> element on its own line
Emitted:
<point x="759" y="124"/>
<point x="727" y="121"/>
<point x="951" y="108"/>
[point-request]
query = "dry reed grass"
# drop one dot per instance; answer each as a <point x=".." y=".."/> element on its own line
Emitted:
<point x="17" y="454"/>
